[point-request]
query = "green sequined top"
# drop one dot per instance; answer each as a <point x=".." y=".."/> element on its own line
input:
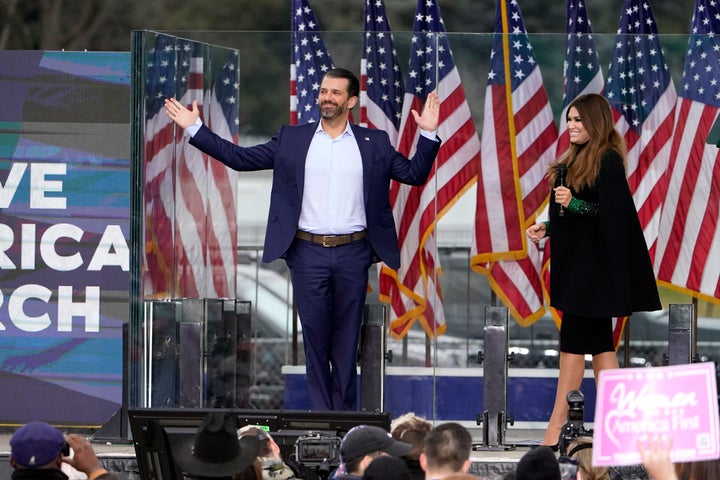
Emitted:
<point x="579" y="207"/>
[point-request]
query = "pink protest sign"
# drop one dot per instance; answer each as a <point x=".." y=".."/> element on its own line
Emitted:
<point x="680" y="402"/>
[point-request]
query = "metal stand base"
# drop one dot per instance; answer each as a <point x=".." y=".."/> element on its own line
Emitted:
<point x="372" y="358"/>
<point x="682" y="334"/>
<point x="494" y="418"/>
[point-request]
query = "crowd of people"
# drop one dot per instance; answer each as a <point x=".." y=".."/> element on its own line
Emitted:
<point x="413" y="449"/>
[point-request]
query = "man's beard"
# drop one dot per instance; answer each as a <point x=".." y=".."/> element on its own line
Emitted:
<point x="331" y="113"/>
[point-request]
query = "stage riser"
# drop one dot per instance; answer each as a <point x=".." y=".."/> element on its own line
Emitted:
<point x="455" y="394"/>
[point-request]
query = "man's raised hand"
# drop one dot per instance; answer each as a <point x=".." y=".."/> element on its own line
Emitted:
<point x="181" y="115"/>
<point x="429" y="119"/>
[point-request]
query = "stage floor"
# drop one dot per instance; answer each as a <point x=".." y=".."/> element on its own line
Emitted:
<point x="489" y="464"/>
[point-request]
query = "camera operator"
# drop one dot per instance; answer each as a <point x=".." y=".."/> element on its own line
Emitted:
<point x="361" y="445"/>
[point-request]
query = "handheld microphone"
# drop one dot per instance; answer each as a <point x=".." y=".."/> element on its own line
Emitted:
<point x="560" y="182"/>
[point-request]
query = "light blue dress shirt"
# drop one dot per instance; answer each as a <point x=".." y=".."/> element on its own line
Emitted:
<point x="333" y="200"/>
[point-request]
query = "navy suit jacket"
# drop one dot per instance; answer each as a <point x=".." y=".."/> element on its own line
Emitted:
<point x="285" y="154"/>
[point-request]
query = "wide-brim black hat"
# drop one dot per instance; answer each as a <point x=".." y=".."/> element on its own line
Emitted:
<point x="215" y="450"/>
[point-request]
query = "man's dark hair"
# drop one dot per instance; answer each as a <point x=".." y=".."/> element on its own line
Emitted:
<point x="448" y="445"/>
<point x="353" y="466"/>
<point x="353" y="82"/>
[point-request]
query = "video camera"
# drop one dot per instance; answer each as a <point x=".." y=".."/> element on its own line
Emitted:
<point x="574" y="426"/>
<point x="317" y="454"/>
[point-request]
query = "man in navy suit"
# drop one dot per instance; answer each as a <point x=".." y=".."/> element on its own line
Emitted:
<point x="330" y="218"/>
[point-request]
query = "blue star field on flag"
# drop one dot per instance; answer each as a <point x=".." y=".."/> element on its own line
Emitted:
<point x="310" y="59"/>
<point x="429" y="44"/>
<point x="168" y="70"/>
<point x="702" y="63"/>
<point x="581" y="58"/>
<point x="226" y="91"/>
<point x="384" y="80"/>
<point x="521" y="56"/>
<point x="638" y="74"/>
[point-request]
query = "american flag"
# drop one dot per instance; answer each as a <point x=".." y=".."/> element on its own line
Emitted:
<point x="642" y="96"/>
<point x="414" y="290"/>
<point x="518" y="143"/>
<point x="688" y="244"/>
<point x="581" y="70"/>
<point x="222" y="117"/>
<point x="582" y="74"/>
<point x="190" y="244"/>
<point x="159" y="168"/>
<point x="381" y="88"/>
<point x="309" y="61"/>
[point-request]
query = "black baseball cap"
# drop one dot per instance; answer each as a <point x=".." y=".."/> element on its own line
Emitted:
<point x="365" y="439"/>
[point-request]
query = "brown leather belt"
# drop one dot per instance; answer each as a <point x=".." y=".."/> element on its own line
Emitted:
<point x="330" y="240"/>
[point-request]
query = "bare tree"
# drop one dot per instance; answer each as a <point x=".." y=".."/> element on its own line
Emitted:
<point x="57" y="24"/>
<point x="12" y="22"/>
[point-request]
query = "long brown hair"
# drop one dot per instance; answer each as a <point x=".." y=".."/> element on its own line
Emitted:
<point x="701" y="470"/>
<point x="583" y="161"/>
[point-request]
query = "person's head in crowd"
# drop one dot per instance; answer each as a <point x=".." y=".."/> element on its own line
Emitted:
<point x="581" y="449"/>
<point x="364" y="443"/>
<point x="700" y="470"/>
<point x="269" y="463"/>
<point x="538" y="463"/>
<point x="39" y="446"/>
<point x="446" y="450"/>
<point x="387" y="468"/>
<point x="215" y="450"/>
<point x="411" y="429"/>
<point x="268" y="447"/>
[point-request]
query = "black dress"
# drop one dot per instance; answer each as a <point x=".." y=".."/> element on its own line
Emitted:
<point x="599" y="265"/>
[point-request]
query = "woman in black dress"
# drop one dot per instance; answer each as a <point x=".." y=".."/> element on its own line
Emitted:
<point x="599" y="265"/>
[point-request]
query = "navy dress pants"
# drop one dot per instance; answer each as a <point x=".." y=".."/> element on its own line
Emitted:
<point x="330" y="287"/>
